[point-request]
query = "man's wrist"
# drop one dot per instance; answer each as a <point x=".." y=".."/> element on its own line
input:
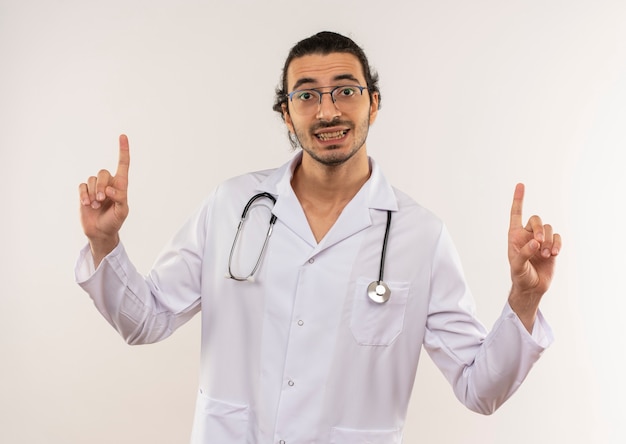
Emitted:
<point x="525" y="305"/>
<point x="100" y="248"/>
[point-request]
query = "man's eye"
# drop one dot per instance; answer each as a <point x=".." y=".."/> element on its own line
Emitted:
<point x="347" y="92"/>
<point x="305" y="96"/>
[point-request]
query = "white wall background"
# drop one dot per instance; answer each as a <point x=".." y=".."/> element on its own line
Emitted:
<point x="476" y="96"/>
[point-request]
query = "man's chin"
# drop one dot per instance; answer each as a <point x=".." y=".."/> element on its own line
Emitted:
<point x="332" y="156"/>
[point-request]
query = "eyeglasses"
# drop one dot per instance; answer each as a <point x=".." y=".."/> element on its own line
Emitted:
<point x="345" y="98"/>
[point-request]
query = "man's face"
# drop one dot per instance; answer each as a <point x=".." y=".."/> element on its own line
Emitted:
<point x="331" y="134"/>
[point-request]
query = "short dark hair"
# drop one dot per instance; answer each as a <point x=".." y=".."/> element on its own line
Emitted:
<point x="326" y="42"/>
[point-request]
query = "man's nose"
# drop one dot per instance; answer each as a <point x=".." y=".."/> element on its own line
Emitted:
<point x="327" y="108"/>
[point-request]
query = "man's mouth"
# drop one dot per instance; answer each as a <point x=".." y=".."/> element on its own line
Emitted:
<point x="334" y="135"/>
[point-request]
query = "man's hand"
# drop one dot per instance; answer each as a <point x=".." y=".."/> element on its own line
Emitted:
<point x="532" y="255"/>
<point x="104" y="205"/>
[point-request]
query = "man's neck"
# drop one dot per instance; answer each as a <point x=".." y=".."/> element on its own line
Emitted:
<point x="328" y="184"/>
<point x="324" y="191"/>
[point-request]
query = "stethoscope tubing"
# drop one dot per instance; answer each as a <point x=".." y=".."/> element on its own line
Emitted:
<point x="377" y="291"/>
<point x="244" y="214"/>
<point x="383" y="253"/>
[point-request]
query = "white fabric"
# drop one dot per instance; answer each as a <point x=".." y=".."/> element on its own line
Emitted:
<point x="301" y="354"/>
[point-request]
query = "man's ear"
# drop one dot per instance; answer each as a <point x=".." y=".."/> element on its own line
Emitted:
<point x="287" y="118"/>
<point x="373" y="107"/>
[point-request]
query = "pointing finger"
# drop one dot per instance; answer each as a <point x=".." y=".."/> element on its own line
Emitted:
<point x="124" y="158"/>
<point x="516" y="207"/>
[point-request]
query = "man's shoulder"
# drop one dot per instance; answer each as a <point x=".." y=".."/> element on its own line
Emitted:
<point x="250" y="178"/>
<point x="409" y="206"/>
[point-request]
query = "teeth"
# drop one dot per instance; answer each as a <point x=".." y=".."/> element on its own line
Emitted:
<point x="330" y="136"/>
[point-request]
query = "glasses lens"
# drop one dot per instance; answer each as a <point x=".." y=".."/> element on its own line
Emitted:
<point x="305" y="101"/>
<point x="347" y="95"/>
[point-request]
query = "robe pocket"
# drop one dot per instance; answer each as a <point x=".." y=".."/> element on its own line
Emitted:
<point x="352" y="436"/>
<point x="219" y="421"/>
<point x="378" y="324"/>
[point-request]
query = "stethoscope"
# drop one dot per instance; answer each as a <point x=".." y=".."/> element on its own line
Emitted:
<point x="377" y="291"/>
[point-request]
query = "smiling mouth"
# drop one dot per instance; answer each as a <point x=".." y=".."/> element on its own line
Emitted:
<point x="331" y="135"/>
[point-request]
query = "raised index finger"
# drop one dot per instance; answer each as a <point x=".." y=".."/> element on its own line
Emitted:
<point x="124" y="158"/>
<point x="516" y="207"/>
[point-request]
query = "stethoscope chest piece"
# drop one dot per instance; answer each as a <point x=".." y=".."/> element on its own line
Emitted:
<point x="378" y="292"/>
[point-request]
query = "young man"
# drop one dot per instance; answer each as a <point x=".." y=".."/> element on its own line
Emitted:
<point x="316" y="336"/>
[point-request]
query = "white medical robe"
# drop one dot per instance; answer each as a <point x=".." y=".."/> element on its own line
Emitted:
<point x="301" y="354"/>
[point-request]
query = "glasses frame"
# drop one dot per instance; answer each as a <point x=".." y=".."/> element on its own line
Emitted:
<point x="321" y="93"/>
